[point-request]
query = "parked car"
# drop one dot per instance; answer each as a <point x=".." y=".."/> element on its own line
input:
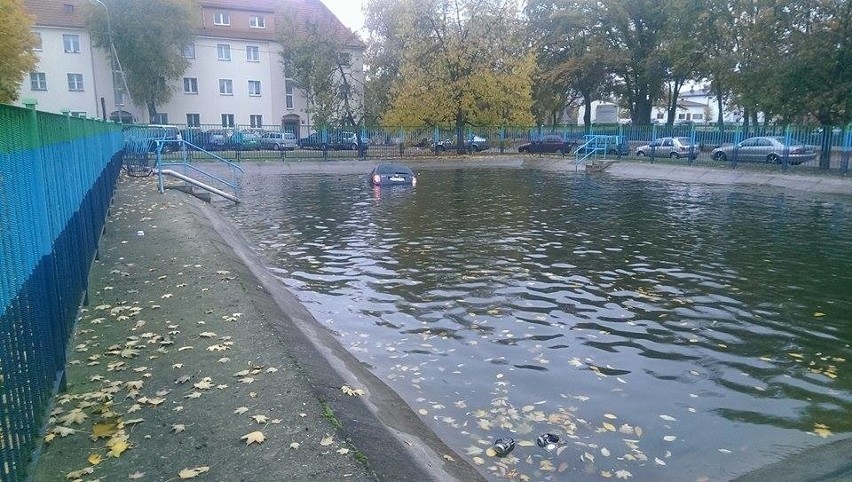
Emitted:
<point x="472" y="144"/>
<point x="674" y="147"/>
<point x="766" y="149"/>
<point x="548" y="143"/>
<point x="279" y="141"/>
<point x="333" y="140"/>
<point x="146" y="137"/>
<point x="392" y="174"/>
<point x="610" y="145"/>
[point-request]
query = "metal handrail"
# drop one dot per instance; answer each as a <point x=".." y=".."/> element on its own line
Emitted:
<point x="188" y="147"/>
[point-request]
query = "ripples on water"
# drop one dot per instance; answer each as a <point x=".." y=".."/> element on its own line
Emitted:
<point x="668" y="330"/>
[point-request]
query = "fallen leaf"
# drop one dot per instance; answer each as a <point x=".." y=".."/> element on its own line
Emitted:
<point x="95" y="459"/>
<point x="327" y="440"/>
<point x="351" y="392"/>
<point x="260" y="418"/>
<point x="623" y="474"/>
<point x="253" y="437"/>
<point x="178" y="428"/>
<point x="118" y="448"/>
<point x="295" y="445"/>
<point x="343" y="451"/>
<point x="668" y="418"/>
<point x="78" y="474"/>
<point x="206" y="383"/>
<point x="669" y="438"/>
<point x="192" y="473"/>
<point x="241" y="410"/>
<point x="136" y="475"/>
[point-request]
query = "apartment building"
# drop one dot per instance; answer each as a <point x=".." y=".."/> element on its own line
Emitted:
<point x="235" y="77"/>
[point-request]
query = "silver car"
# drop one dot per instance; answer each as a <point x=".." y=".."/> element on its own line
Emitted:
<point x="674" y="147"/>
<point x="279" y="141"/>
<point x="766" y="149"/>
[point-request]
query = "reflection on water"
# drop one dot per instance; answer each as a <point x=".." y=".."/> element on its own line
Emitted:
<point x="664" y="331"/>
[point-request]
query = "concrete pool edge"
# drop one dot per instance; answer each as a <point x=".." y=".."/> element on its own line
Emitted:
<point x="380" y="424"/>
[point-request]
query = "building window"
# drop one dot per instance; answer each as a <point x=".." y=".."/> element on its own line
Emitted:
<point x="226" y="86"/>
<point x="193" y="120"/>
<point x="188" y="52"/>
<point x="160" y="118"/>
<point x="38" y="81"/>
<point x="71" y="43"/>
<point x="254" y="88"/>
<point x="288" y="89"/>
<point x="75" y="82"/>
<point x="222" y="18"/>
<point x="77" y="113"/>
<point x="190" y="85"/>
<point x="257" y="21"/>
<point x="256" y="120"/>
<point x="697" y="116"/>
<point x="227" y="120"/>
<point x="68" y="8"/>
<point x="659" y="115"/>
<point x="38" y="45"/>
<point x="681" y="116"/>
<point x="345" y="59"/>
<point x="223" y="51"/>
<point x="252" y="53"/>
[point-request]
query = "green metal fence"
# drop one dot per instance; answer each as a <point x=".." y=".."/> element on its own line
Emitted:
<point x="831" y="145"/>
<point x="57" y="176"/>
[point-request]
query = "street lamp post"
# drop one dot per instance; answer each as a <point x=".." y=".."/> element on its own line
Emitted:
<point x="119" y="82"/>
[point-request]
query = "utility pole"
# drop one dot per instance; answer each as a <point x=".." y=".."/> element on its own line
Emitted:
<point x="119" y="81"/>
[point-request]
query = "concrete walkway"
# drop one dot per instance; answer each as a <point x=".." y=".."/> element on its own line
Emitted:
<point x="190" y="360"/>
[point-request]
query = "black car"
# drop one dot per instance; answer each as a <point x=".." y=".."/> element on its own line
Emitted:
<point x="471" y="144"/>
<point x="392" y="175"/>
<point x="548" y="143"/>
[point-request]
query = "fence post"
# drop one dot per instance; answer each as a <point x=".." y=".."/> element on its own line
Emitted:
<point x="401" y="142"/>
<point x="785" y="160"/>
<point x="653" y="138"/>
<point x="847" y="147"/>
<point x="689" y="155"/>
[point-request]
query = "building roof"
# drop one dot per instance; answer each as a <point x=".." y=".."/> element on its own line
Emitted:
<point x="72" y="13"/>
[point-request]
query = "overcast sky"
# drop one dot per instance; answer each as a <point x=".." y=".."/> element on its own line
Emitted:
<point x="349" y="12"/>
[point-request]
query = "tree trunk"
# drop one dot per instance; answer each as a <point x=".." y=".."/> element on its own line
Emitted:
<point x="152" y="112"/>
<point x="460" y="144"/>
<point x="587" y="111"/>
<point x="825" y="147"/>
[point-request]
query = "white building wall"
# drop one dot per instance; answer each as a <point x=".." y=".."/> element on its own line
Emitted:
<point x="56" y="65"/>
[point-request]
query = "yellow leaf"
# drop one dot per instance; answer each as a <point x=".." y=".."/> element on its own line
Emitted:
<point x="623" y="474"/>
<point x="610" y="416"/>
<point x="192" y="473"/>
<point x="253" y="437"/>
<point x="49" y="437"/>
<point x="343" y="451"/>
<point x="118" y="448"/>
<point x="609" y="426"/>
<point x="818" y="314"/>
<point x="95" y="459"/>
<point x="478" y="460"/>
<point x="327" y="440"/>
<point x="78" y="474"/>
<point x="104" y="430"/>
<point x="260" y="418"/>
<point x="351" y="392"/>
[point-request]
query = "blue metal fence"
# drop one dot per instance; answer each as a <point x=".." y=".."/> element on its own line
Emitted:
<point x="57" y="176"/>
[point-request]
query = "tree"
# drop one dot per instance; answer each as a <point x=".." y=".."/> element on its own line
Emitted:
<point x="317" y="56"/>
<point x="17" y="42"/>
<point x="572" y="58"/>
<point x="149" y="37"/>
<point x="462" y="63"/>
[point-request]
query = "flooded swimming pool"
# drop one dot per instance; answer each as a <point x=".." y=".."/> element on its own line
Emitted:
<point x="663" y="331"/>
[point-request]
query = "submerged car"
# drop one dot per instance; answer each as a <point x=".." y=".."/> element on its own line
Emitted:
<point x="674" y="147"/>
<point x="392" y="175"/>
<point x="772" y="149"/>
<point x="548" y="143"/>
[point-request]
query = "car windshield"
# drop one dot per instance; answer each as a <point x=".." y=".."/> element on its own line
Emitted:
<point x="393" y="169"/>
<point x="683" y="140"/>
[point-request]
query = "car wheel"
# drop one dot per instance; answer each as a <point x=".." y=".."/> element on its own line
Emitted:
<point x="612" y="152"/>
<point x="640" y="153"/>
<point x="324" y="147"/>
<point x="674" y="155"/>
<point x="439" y="148"/>
<point x="354" y="146"/>
<point x="276" y="147"/>
<point x="720" y="156"/>
<point x="474" y="148"/>
<point x="521" y="150"/>
<point x="773" y="159"/>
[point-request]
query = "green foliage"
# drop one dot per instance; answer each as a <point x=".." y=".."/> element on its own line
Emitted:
<point x="451" y="62"/>
<point x="314" y="54"/>
<point x="16" y="48"/>
<point x="149" y="38"/>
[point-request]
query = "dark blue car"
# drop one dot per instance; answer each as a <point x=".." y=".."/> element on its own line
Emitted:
<point x="392" y="175"/>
